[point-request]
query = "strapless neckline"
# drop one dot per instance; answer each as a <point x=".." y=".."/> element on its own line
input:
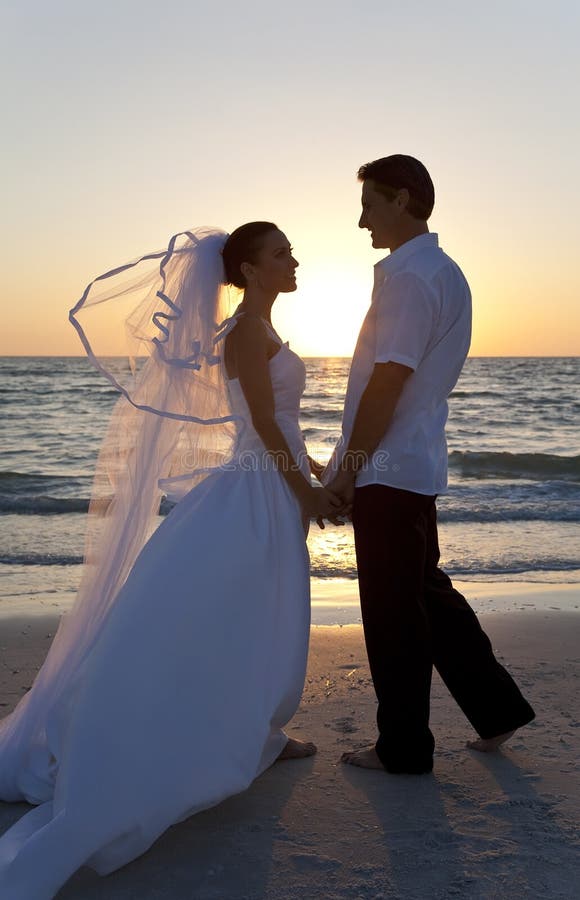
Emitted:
<point x="276" y="336"/>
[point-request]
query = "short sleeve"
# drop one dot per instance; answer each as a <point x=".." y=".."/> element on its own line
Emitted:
<point x="405" y="320"/>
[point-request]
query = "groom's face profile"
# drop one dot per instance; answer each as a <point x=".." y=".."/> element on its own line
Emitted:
<point x="382" y="215"/>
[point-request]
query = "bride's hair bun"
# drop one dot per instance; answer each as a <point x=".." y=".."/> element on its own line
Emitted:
<point x="243" y="245"/>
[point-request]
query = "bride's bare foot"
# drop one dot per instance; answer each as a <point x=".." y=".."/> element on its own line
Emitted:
<point x="365" y="759"/>
<point x="296" y="749"/>
<point x="488" y="745"/>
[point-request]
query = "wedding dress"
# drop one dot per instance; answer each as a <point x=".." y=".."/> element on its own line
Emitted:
<point x="182" y="698"/>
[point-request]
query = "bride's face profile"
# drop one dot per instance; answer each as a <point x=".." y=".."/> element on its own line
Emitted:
<point x="274" y="268"/>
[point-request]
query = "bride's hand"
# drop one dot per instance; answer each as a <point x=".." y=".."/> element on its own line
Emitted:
<point x="316" y="468"/>
<point x="320" y="503"/>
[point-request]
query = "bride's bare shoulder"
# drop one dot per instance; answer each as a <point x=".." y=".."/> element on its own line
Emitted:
<point x="248" y="337"/>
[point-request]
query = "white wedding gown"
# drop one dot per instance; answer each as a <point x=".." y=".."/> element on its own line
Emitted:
<point x="181" y="701"/>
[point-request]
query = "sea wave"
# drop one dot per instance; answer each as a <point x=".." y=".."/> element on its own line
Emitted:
<point x="25" y="482"/>
<point x="546" y="569"/>
<point x="537" y="466"/>
<point x="533" y="570"/>
<point x="493" y="497"/>
<point x="43" y="506"/>
<point x="321" y="414"/>
<point x="39" y="559"/>
<point x="540" y="512"/>
<point x="475" y="395"/>
<point x="553" y="511"/>
<point x="28" y="493"/>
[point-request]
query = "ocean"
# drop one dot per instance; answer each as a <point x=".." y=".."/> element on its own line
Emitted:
<point x="512" y="512"/>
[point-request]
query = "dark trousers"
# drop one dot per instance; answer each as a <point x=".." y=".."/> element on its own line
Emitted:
<point x="414" y="619"/>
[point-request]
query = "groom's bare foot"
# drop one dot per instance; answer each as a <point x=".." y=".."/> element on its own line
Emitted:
<point x="296" y="749"/>
<point x="488" y="745"/>
<point x="364" y="759"/>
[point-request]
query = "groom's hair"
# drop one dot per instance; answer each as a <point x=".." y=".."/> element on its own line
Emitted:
<point x="391" y="173"/>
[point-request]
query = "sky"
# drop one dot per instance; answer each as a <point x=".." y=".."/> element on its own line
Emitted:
<point x="127" y="121"/>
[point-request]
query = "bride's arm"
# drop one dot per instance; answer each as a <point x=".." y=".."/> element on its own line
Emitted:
<point x="249" y="346"/>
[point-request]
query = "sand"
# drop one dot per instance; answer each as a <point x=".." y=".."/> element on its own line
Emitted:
<point x="498" y="826"/>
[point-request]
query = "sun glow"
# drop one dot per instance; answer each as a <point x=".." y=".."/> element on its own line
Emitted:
<point x="326" y="314"/>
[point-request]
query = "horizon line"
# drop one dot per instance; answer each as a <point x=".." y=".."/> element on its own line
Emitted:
<point x="318" y="356"/>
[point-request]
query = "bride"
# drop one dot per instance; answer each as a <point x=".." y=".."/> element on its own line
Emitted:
<point x="168" y="684"/>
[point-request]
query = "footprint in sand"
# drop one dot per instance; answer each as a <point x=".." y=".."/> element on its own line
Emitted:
<point x="344" y="725"/>
<point x="308" y="862"/>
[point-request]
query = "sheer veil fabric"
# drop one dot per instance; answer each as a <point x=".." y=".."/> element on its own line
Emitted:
<point x="170" y="427"/>
<point x="169" y="682"/>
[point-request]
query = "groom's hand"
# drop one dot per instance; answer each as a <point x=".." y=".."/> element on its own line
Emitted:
<point x="343" y="486"/>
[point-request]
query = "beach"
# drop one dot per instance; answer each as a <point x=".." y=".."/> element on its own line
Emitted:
<point x="501" y="825"/>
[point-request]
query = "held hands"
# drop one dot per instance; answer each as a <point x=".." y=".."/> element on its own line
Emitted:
<point x="321" y="503"/>
<point x="342" y="485"/>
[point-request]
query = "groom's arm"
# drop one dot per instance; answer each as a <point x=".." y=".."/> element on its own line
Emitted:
<point x="375" y="412"/>
<point x="405" y="319"/>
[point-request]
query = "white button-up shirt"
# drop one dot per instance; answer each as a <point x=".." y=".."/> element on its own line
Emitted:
<point x="420" y="316"/>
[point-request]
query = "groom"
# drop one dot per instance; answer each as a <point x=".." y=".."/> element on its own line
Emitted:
<point x="391" y="463"/>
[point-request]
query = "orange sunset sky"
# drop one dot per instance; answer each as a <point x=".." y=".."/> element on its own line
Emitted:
<point x="129" y="122"/>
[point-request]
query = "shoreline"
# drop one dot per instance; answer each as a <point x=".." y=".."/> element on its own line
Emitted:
<point x="335" y="601"/>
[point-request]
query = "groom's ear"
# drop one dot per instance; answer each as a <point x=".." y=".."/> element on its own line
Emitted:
<point x="402" y="199"/>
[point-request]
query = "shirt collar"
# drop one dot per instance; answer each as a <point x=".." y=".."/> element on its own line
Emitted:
<point x="395" y="260"/>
